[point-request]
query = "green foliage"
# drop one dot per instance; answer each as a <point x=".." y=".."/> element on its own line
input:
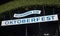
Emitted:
<point x="19" y="3"/>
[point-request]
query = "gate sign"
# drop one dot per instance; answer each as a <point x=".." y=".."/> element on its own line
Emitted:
<point x="27" y="13"/>
<point x="30" y="20"/>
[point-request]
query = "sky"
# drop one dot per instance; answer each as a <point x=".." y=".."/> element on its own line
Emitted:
<point x="4" y="1"/>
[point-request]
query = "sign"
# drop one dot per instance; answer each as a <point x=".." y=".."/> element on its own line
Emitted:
<point x="27" y="13"/>
<point x="30" y="20"/>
